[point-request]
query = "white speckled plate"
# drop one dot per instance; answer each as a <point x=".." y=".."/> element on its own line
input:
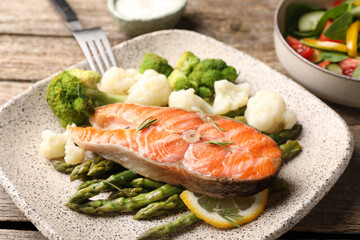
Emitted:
<point x="40" y="192"/>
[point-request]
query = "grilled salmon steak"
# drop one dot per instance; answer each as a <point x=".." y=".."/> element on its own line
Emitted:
<point x="213" y="155"/>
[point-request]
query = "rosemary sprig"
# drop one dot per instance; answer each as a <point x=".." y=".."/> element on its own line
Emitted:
<point x="229" y="215"/>
<point x="146" y="123"/>
<point x="222" y="144"/>
<point x="119" y="189"/>
<point x="215" y="125"/>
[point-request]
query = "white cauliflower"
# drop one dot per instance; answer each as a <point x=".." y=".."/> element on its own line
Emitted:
<point x="186" y="99"/>
<point x="73" y="153"/>
<point x="118" y="80"/>
<point x="151" y="88"/>
<point x="53" y="144"/>
<point x="56" y="145"/>
<point x="267" y="112"/>
<point x="230" y="96"/>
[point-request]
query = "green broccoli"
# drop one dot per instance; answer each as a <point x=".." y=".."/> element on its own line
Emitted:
<point x="73" y="96"/>
<point x="153" y="61"/>
<point x="204" y="92"/>
<point x="200" y="75"/>
<point x="178" y="81"/>
<point x="186" y="62"/>
<point x="208" y="71"/>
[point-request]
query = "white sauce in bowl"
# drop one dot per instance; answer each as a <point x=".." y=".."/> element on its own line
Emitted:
<point x="146" y="9"/>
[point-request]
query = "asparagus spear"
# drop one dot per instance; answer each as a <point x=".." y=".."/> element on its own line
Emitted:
<point x="285" y="135"/>
<point x="88" y="183"/>
<point x="126" y="192"/>
<point x="236" y="113"/>
<point x="290" y="149"/>
<point x="81" y="171"/>
<point x="145" y="183"/>
<point x="63" y="167"/>
<point x="159" y="208"/>
<point x="170" y="227"/>
<point x="125" y="204"/>
<point x="241" y="119"/>
<point x="119" y="179"/>
<point x="103" y="167"/>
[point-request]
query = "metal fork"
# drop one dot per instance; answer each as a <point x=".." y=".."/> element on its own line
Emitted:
<point x="92" y="41"/>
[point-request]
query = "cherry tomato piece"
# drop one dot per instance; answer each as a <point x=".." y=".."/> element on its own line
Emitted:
<point x="349" y="65"/>
<point x="302" y="49"/>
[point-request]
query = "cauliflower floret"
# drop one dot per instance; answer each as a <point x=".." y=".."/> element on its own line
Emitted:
<point x="118" y="80"/>
<point x="289" y="119"/>
<point x="186" y="99"/>
<point x="73" y="153"/>
<point x="230" y="96"/>
<point x="151" y="88"/>
<point x="53" y="144"/>
<point x="267" y="112"/>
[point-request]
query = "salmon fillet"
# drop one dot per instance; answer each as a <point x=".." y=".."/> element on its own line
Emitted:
<point x="220" y="158"/>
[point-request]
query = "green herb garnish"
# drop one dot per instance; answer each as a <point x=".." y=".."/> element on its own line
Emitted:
<point x="216" y="126"/>
<point x="230" y="215"/>
<point x="119" y="189"/>
<point x="146" y="123"/>
<point x="222" y="144"/>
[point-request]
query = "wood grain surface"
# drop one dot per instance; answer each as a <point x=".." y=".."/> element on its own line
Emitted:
<point x="34" y="43"/>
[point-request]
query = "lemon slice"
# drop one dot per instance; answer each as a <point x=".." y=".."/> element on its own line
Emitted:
<point x="226" y="212"/>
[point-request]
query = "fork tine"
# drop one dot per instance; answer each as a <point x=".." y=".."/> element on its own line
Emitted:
<point x="96" y="56"/>
<point x="109" y="51"/>
<point x="86" y="51"/>
<point x="102" y="52"/>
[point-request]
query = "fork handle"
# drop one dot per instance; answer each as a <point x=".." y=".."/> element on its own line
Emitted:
<point x="64" y="9"/>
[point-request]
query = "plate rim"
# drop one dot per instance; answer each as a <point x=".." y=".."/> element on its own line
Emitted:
<point x="50" y="233"/>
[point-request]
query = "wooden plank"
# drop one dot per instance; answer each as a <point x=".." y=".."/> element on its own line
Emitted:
<point x="33" y="57"/>
<point x="8" y="210"/>
<point x="39" y="17"/>
<point x="10" y="89"/>
<point x="20" y="234"/>
<point x="25" y="17"/>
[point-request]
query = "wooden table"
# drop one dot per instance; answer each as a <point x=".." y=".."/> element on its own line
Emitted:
<point x="34" y="43"/>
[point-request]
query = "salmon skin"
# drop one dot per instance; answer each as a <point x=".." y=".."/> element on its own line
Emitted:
<point x="213" y="155"/>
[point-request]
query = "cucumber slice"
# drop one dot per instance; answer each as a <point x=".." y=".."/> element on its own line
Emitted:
<point x="334" y="67"/>
<point x="308" y="21"/>
<point x="356" y="73"/>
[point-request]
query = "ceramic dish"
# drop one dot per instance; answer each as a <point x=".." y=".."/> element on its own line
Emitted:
<point x="134" y="27"/>
<point x="40" y="191"/>
<point x="324" y="83"/>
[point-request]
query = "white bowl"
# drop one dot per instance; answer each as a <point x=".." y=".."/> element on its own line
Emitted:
<point x="134" y="27"/>
<point x="326" y="84"/>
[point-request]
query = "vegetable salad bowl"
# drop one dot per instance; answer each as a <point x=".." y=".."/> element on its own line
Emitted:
<point x="326" y="84"/>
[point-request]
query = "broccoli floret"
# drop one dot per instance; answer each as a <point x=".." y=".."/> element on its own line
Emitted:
<point x="159" y="64"/>
<point x="73" y="96"/>
<point x="186" y="62"/>
<point x="190" y="72"/>
<point x="204" y="92"/>
<point x="208" y="71"/>
<point x="178" y="81"/>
